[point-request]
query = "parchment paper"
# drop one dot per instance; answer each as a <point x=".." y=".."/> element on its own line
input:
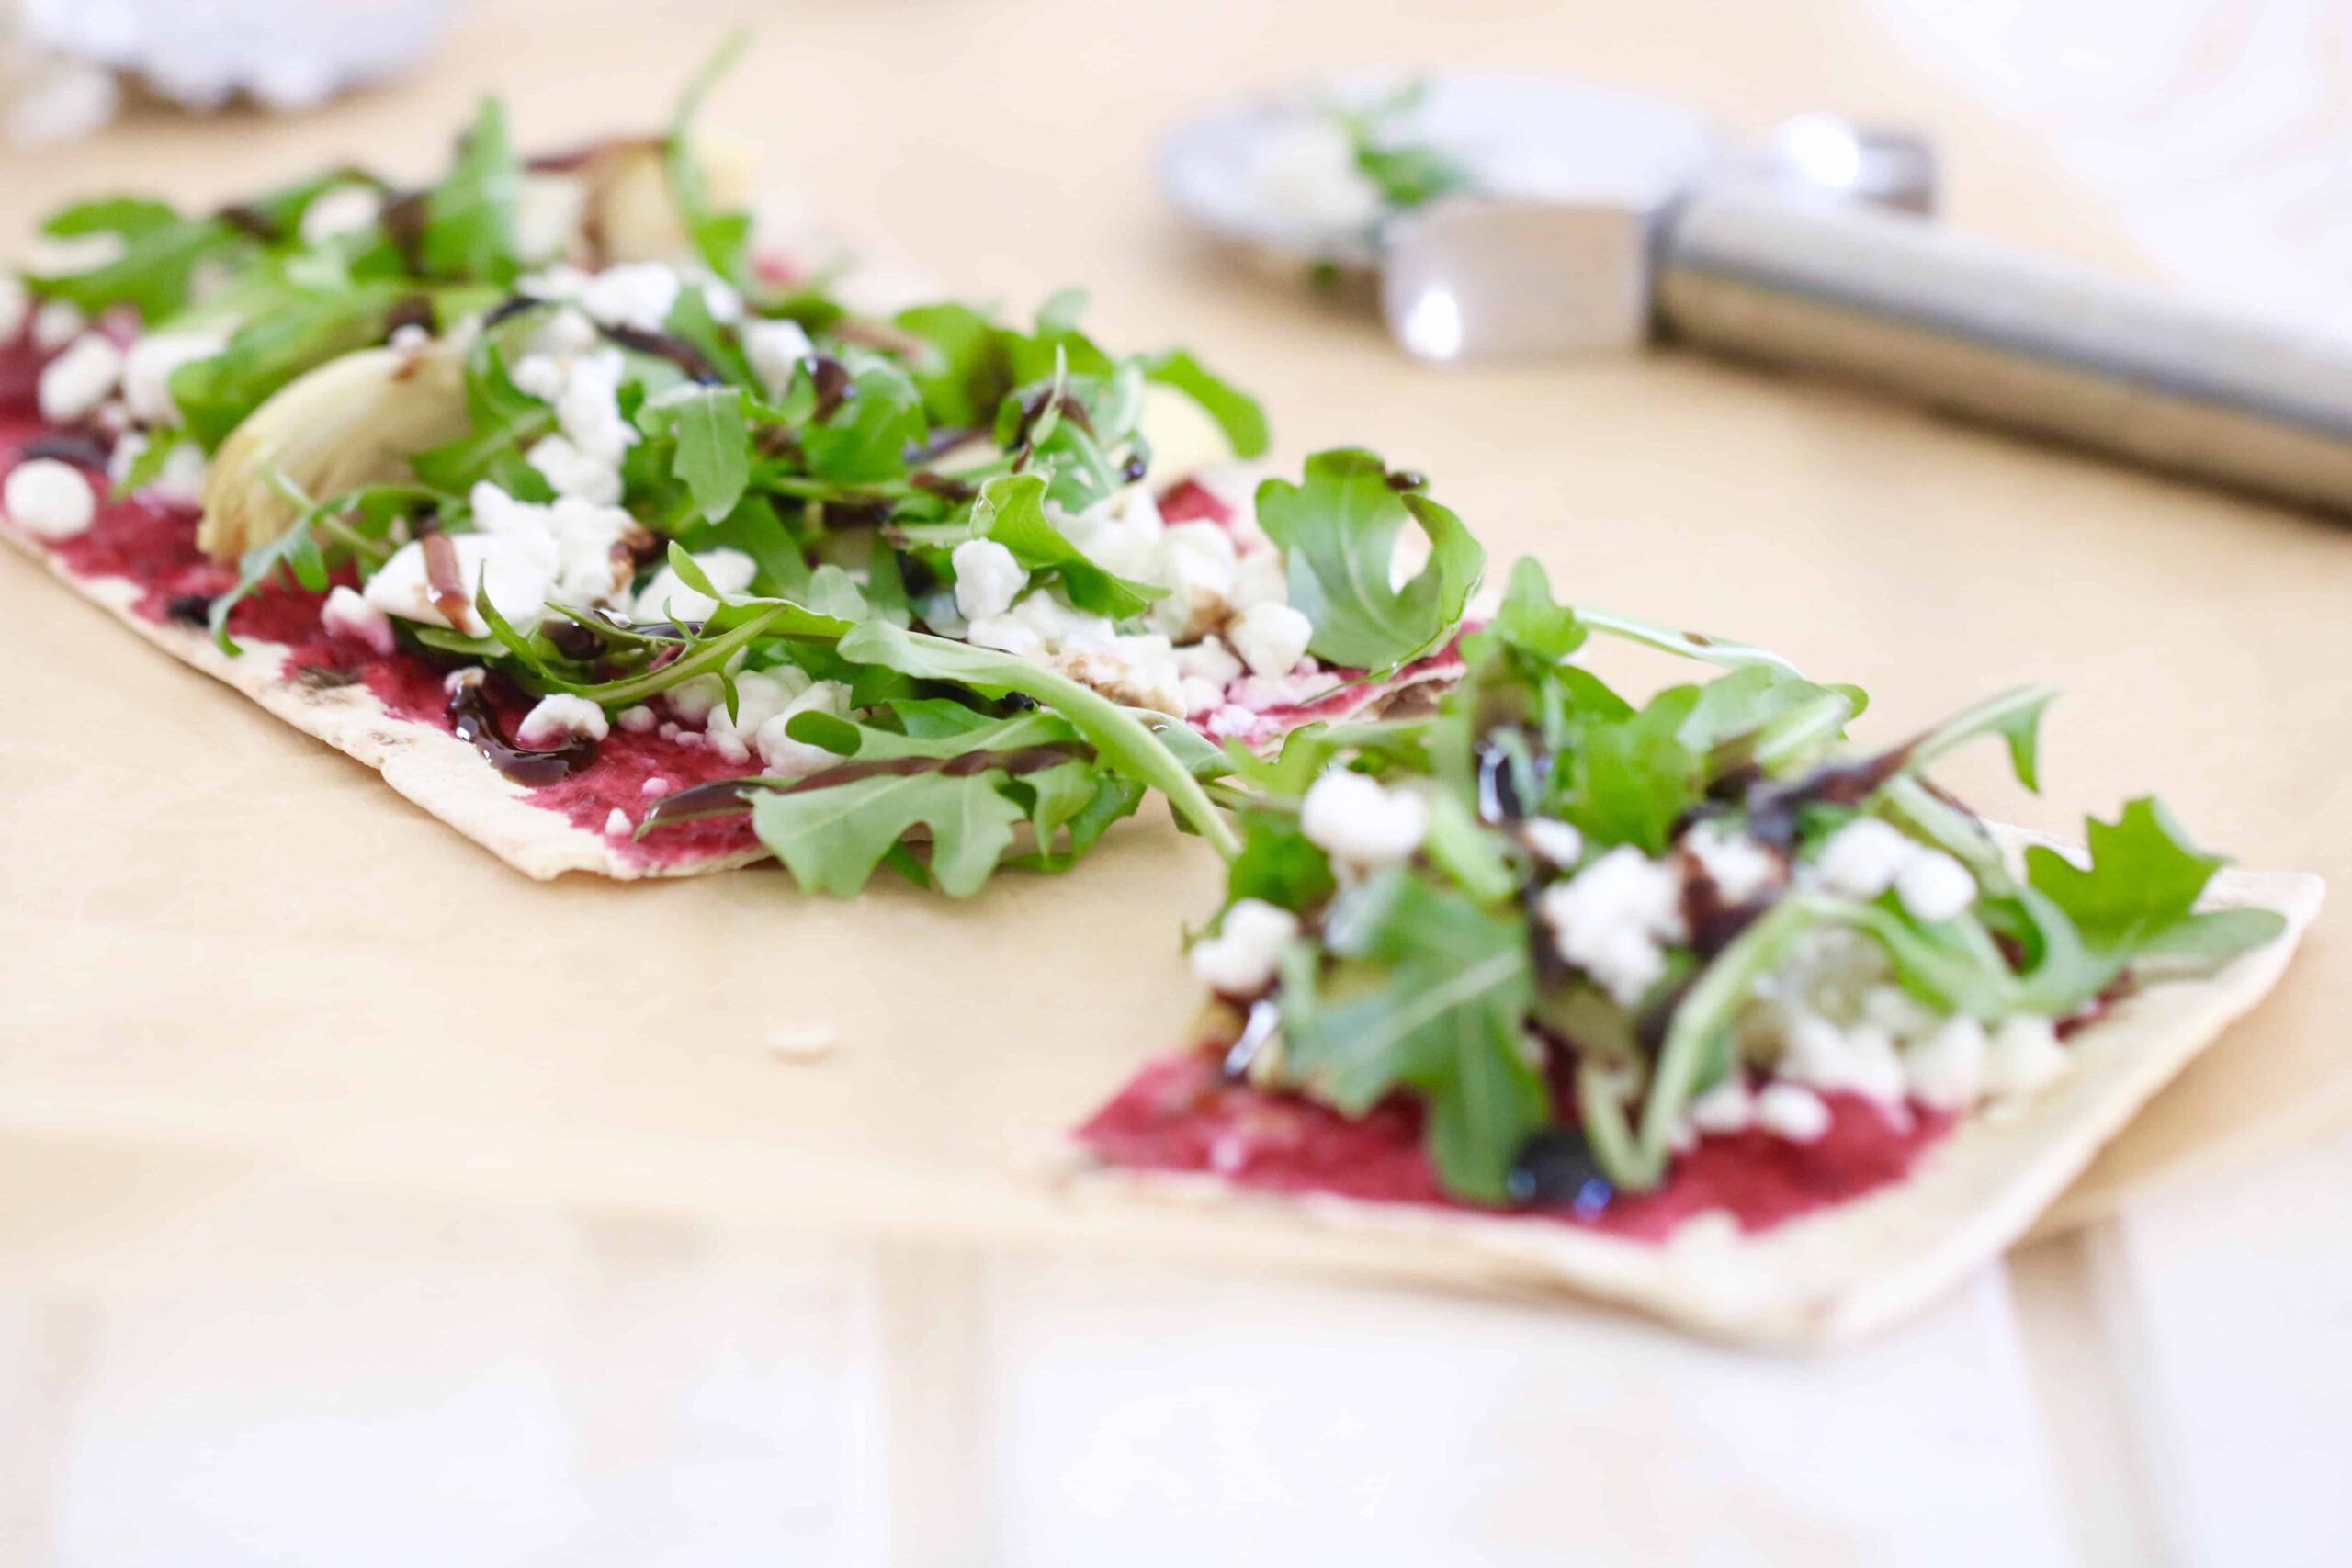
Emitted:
<point x="219" y="934"/>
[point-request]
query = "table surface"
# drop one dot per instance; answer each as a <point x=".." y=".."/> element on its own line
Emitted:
<point x="261" y="1133"/>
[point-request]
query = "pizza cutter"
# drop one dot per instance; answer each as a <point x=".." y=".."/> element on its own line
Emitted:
<point x="1598" y="221"/>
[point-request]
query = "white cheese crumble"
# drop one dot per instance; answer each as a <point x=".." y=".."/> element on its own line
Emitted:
<point x="1240" y="957"/>
<point x="636" y="720"/>
<point x="2024" y="1057"/>
<point x="588" y="409"/>
<point x="1615" y="919"/>
<point x="1139" y="670"/>
<point x="1867" y="856"/>
<point x="1934" y="886"/>
<point x="1039" y="626"/>
<point x="147" y="371"/>
<point x="1553" y="841"/>
<point x="571" y="471"/>
<point x="987" y="579"/>
<point x="1197" y="566"/>
<point x="57" y="323"/>
<point x="1272" y="638"/>
<point x="1121" y="534"/>
<point x="1791" y="1111"/>
<point x="760" y="695"/>
<point x="636" y="295"/>
<point x="654" y="788"/>
<point x="1857" y="1057"/>
<point x="48" y="499"/>
<point x="668" y="598"/>
<point x="775" y="350"/>
<point x="1738" y="867"/>
<point x="1728" y="1107"/>
<point x="346" y="615"/>
<point x="1946" y="1069"/>
<point x="559" y="717"/>
<point x="339" y="210"/>
<point x="795" y="758"/>
<point x="1210" y="662"/>
<point x="1361" y="823"/>
<point x="74" y="383"/>
<point x="617" y="824"/>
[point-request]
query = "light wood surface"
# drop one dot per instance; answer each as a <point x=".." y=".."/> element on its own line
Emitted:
<point x="271" y="1036"/>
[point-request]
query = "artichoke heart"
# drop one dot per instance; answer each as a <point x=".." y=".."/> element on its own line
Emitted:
<point x="353" y="421"/>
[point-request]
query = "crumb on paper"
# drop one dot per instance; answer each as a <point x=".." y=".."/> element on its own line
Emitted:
<point x="804" y="1042"/>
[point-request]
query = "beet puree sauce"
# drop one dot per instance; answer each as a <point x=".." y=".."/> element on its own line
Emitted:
<point x="153" y="544"/>
<point x="1181" y="1113"/>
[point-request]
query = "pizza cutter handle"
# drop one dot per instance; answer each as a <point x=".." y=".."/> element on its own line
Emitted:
<point x="2031" y="345"/>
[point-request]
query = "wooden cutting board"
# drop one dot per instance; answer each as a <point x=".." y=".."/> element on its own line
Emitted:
<point x="221" y="934"/>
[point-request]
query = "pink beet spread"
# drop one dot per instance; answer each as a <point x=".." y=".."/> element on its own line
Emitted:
<point x="1181" y="1114"/>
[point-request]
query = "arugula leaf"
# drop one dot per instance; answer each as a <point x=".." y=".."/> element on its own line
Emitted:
<point x="215" y="395"/>
<point x="1012" y="511"/>
<point x="469" y="217"/>
<point x="714" y="448"/>
<point x="1237" y="414"/>
<point x="968" y="371"/>
<point x="1117" y="736"/>
<point x="1629" y="779"/>
<point x="1337" y="534"/>
<point x="1277" y="863"/>
<point x="158" y="262"/>
<point x="866" y="439"/>
<point x="505" y="418"/>
<point x="721" y="239"/>
<point x="832" y="838"/>
<point x="1432" y="995"/>
<point x="2138" y="896"/>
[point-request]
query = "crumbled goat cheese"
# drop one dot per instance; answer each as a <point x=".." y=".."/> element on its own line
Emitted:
<point x="1862" y="859"/>
<point x="1139" y="671"/>
<point x="1270" y="638"/>
<point x="147" y="371"/>
<point x="721" y="299"/>
<point x="1934" y="886"/>
<point x="57" y="323"/>
<point x="516" y="572"/>
<point x="1552" y="840"/>
<point x="1039" y="626"/>
<point x="636" y="720"/>
<point x="760" y="695"/>
<point x="1738" y="867"/>
<point x="636" y="295"/>
<point x="339" y="210"/>
<point x="692" y="700"/>
<point x="558" y="718"/>
<point x="1946" y="1070"/>
<point x="775" y="349"/>
<point x="987" y="579"/>
<point x="548" y="210"/>
<point x="1615" y="919"/>
<point x="1259" y="579"/>
<point x="16" y="306"/>
<point x="2024" y="1057"/>
<point x="571" y="471"/>
<point x="780" y="751"/>
<point x="1121" y="534"/>
<point x="588" y="408"/>
<point x="1729" y="1107"/>
<point x="182" y="478"/>
<point x="616" y="823"/>
<point x="48" y="499"/>
<point x="465" y="680"/>
<point x="1240" y="957"/>
<point x="410" y="338"/>
<point x="1791" y="1111"/>
<point x="654" y="788"/>
<point x="1859" y="1057"/>
<point x="668" y="598"/>
<point x="1196" y="565"/>
<point x="564" y="332"/>
<point x="1209" y="661"/>
<point x="74" y="383"/>
<point x="346" y="615"/>
<point x="1361" y="823"/>
<point x="1305" y="685"/>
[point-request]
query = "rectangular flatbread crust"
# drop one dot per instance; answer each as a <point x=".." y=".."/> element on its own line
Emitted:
<point x="1821" y="1279"/>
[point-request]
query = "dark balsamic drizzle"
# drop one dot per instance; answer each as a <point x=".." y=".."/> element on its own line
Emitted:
<point x="835" y="387"/>
<point x="1408" y="479"/>
<point x="1557" y="1166"/>
<point x="76" y="446"/>
<point x="471" y="721"/>
<point x="190" y="609"/>
<point x="669" y="346"/>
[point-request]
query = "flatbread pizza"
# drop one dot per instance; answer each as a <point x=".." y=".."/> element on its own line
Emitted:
<point x="1680" y="1004"/>
<point x="614" y="536"/>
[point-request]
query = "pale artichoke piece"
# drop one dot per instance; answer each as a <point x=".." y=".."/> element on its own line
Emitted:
<point x="352" y="422"/>
<point x="632" y="216"/>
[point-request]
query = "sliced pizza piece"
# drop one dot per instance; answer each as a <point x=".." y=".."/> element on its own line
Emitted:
<point x="536" y="491"/>
<point x="1678" y="1005"/>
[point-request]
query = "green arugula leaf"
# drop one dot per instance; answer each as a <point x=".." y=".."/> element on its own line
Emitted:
<point x="1012" y="511"/>
<point x="158" y="262"/>
<point x="832" y="838"/>
<point x="714" y="448"/>
<point x="967" y="370"/>
<point x="1337" y="532"/>
<point x="1629" y="779"/>
<point x="865" y="440"/>
<point x="505" y="418"/>
<point x="2138" y="896"/>
<point x="469" y="217"/>
<point x="302" y="333"/>
<point x="1431" y="994"/>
